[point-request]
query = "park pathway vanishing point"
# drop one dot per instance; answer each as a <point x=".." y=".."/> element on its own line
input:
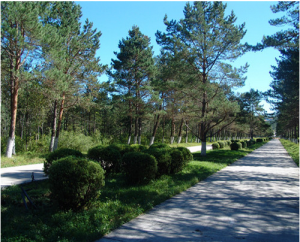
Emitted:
<point x="254" y="199"/>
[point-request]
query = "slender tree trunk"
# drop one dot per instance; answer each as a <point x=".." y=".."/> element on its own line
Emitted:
<point x="59" y="122"/>
<point x="136" y="130"/>
<point x="140" y="131"/>
<point x="130" y="124"/>
<point x="163" y="134"/>
<point x="180" y="132"/>
<point x="14" y="104"/>
<point x="156" y="123"/>
<point x="172" y="130"/>
<point x="51" y="148"/>
<point x="186" y="133"/>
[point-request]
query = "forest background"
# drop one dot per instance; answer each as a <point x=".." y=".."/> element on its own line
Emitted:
<point x="52" y="88"/>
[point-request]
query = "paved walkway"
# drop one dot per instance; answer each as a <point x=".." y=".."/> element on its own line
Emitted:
<point x="21" y="174"/>
<point x="255" y="199"/>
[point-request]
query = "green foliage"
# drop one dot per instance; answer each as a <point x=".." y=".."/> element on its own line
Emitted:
<point x="159" y="145"/>
<point x="244" y="144"/>
<point x="75" y="140"/>
<point x="75" y="182"/>
<point x="221" y="144"/>
<point x="58" y="154"/>
<point x="236" y="146"/>
<point x="259" y="140"/>
<point x="187" y="155"/>
<point x="292" y="149"/>
<point x="137" y="148"/>
<point x="109" y="158"/>
<point x="178" y="161"/>
<point x="163" y="158"/>
<point x="216" y="146"/>
<point x="140" y="168"/>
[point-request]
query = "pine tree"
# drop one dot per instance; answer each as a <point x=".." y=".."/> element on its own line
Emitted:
<point x="21" y="35"/>
<point x="201" y="45"/>
<point x="132" y="72"/>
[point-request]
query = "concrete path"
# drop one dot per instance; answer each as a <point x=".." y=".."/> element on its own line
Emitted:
<point x="21" y="174"/>
<point x="255" y="199"/>
<point x="198" y="148"/>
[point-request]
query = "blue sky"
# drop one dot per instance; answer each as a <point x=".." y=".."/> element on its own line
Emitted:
<point x="115" y="18"/>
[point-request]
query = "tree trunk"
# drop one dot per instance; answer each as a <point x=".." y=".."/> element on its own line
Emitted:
<point x="180" y="132"/>
<point x="163" y="134"/>
<point x="186" y="134"/>
<point x="59" y="122"/>
<point x="10" y="150"/>
<point x="172" y="130"/>
<point x="136" y="130"/>
<point x="51" y="148"/>
<point x="140" y="130"/>
<point x="156" y="123"/>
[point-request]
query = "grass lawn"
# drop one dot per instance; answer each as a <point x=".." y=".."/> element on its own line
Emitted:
<point x="118" y="203"/>
<point x="292" y="149"/>
<point x="22" y="160"/>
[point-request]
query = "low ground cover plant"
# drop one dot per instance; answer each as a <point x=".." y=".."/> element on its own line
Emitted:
<point x="292" y="149"/>
<point x="118" y="203"/>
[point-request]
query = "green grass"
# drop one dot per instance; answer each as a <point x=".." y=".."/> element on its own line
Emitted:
<point x="118" y="203"/>
<point x="292" y="149"/>
<point x="27" y="158"/>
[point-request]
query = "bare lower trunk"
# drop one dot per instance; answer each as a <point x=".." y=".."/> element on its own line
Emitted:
<point x="140" y="140"/>
<point x="55" y="143"/>
<point x="203" y="148"/>
<point x="51" y="148"/>
<point x="135" y="139"/>
<point x="151" y="140"/>
<point x="129" y="138"/>
<point x="179" y="140"/>
<point x="172" y="139"/>
<point x="10" y="147"/>
<point x="59" y="122"/>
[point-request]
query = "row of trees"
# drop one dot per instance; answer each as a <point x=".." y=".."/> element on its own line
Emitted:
<point x="50" y="70"/>
<point x="284" y="92"/>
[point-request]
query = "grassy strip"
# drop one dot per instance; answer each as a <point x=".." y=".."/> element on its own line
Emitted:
<point x="292" y="149"/>
<point x="118" y="203"/>
<point x="22" y="160"/>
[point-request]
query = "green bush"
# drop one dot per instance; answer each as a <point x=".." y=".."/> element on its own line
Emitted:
<point x="221" y="144"/>
<point x="236" y="146"/>
<point x="108" y="157"/>
<point x="244" y="144"/>
<point x="187" y="155"/>
<point x="159" y="146"/>
<point x="228" y="142"/>
<point x="163" y="158"/>
<point x="215" y="146"/>
<point x="259" y="140"/>
<point x="137" y="148"/>
<point x="139" y="167"/>
<point x="122" y="148"/>
<point x="75" y="182"/>
<point x="75" y="140"/>
<point x="178" y="161"/>
<point x="58" y="154"/>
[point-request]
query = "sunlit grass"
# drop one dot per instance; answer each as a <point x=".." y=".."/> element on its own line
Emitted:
<point x="118" y="203"/>
<point x="22" y="159"/>
<point x="292" y="149"/>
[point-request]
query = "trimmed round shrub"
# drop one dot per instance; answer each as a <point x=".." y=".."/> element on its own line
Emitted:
<point x="159" y="146"/>
<point x="178" y="161"/>
<point x="259" y="140"/>
<point x="187" y="154"/>
<point x="163" y="159"/>
<point x="139" y="167"/>
<point x="236" y="146"/>
<point x="108" y="157"/>
<point x="221" y="144"/>
<point x="122" y="148"/>
<point x="137" y="148"/>
<point x="58" y="154"/>
<point x="75" y="182"/>
<point x="244" y="144"/>
<point x="215" y="146"/>
<point x="228" y="142"/>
